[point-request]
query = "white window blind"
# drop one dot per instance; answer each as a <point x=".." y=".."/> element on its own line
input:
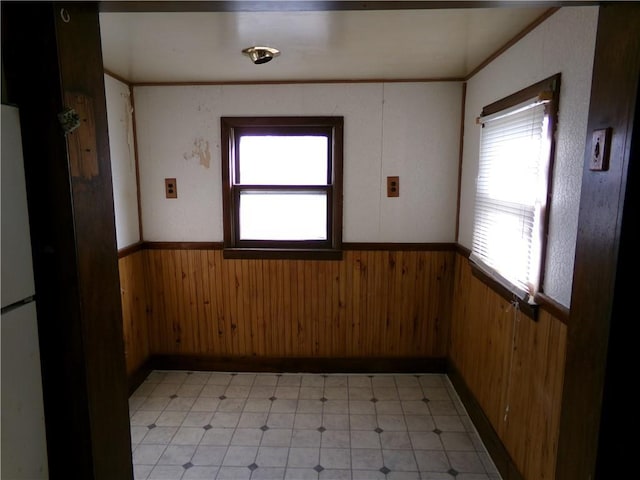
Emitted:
<point x="511" y="193"/>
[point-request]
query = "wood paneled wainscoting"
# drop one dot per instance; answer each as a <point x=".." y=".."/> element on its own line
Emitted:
<point x="190" y="308"/>
<point x="513" y="366"/>
<point x="191" y="303"/>
<point x="135" y="310"/>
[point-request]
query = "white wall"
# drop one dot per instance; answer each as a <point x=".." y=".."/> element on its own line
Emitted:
<point x="564" y="43"/>
<point x="123" y="168"/>
<point x="405" y="129"/>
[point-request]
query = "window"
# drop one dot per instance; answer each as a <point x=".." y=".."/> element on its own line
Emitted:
<point x="282" y="186"/>
<point x="512" y="189"/>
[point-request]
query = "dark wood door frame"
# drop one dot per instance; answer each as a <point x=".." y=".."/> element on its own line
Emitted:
<point x="46" y="59"/>
<point x="601" y="297"/>
<point x="51" y="58"/>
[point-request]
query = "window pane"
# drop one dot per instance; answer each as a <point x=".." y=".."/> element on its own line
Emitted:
<point x="283" y="160"/>
<point x="283" y="216"/>
<point x="512" y="155"/>
<point x="502" y="241"/>
<point x="510" y="192"/>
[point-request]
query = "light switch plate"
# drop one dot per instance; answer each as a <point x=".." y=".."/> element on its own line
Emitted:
<point x="600" y="141"/>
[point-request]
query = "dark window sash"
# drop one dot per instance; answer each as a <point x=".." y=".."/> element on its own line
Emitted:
<point x="232" y="128"/>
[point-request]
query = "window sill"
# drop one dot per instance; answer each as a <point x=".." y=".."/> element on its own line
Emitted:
<point x="530" y="310"/>
<point x="282" y="254"/>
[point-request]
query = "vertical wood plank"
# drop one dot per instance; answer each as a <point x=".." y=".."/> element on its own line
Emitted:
<point x="506" y="359"/>
<point x="288" y="307"/>
<point x="134" y="311"/>
<point x="371" y="303"/>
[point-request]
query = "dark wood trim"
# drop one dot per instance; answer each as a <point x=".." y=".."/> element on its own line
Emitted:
<point x="139" y="376"/>
<point x="550" y="84"/>
<point x="345" y="246"/>
<point x="559" y="311"/>
<point x="462" y="250"/>
<point x="601" y="300"/>
<point x="358" y="246"/>
<point x="314" y="5"/>
<point x="50" y="63"/>
<point x="282" y="254"/>
<point x="82" y="76"/>
<point x="131" y="249"/>
<point x="337" y="194"/>
<point x="556" y="309"/>
<point x="300" y="364"/>
<point x="413" y="247"/>
<point x="231" y="129"/>
<point x="117" y="77"/>
<point x="517" y="38"/>
<point x="300" y="82"/>
<point x="295" y="123"/>
<point x="529" y="310"/>
<point x="183" y="245"/>
<point x="613" y="450"/>
<point x="137" y="163"/>
<point x="227" y="155"/>
<point x="551" y="109"/>
<point x="496" y="449"/>
<point x="460" y="157"/>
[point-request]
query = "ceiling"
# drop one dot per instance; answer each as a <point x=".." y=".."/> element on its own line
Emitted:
<point x="321" y="45"/>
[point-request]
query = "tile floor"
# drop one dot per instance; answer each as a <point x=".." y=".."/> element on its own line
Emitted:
<point x="212" y="425"/>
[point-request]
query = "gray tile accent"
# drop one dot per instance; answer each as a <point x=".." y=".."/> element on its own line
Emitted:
<point x="213" y="425"/>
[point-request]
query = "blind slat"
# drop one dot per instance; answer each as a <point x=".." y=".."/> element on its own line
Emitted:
<point x="511" y="172"/>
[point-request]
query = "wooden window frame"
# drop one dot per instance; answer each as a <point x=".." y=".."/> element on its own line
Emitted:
<point x="550" y="86"/>
<point x="232" y="129"/>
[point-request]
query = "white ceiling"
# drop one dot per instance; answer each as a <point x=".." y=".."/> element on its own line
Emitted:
<point x="175" y="47"/>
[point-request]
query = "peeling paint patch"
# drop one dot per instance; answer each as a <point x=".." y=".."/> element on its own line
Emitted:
<point x="200" y="151"/>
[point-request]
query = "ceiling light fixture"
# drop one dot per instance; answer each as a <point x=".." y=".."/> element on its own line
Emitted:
<point x="259" y="55"/>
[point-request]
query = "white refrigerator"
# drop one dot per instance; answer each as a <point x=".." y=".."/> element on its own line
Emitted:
<point x="23" y="444"/>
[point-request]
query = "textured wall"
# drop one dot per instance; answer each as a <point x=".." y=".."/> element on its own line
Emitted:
<point x="123" y="168"/>
<point x="563" y="43"/>
<point x="405" y="129"/>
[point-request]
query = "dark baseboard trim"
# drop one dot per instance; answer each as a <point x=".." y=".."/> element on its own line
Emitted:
<point x="139" y="376"/>
<point x="299" y="364"/>
<point x="492" y="442"/>
<point x="183" y="245"/>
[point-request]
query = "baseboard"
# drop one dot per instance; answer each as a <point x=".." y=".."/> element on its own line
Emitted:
<point x="492" y="442"/>
<point x="136" y="378"/>
<point x="299" y="364"/>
